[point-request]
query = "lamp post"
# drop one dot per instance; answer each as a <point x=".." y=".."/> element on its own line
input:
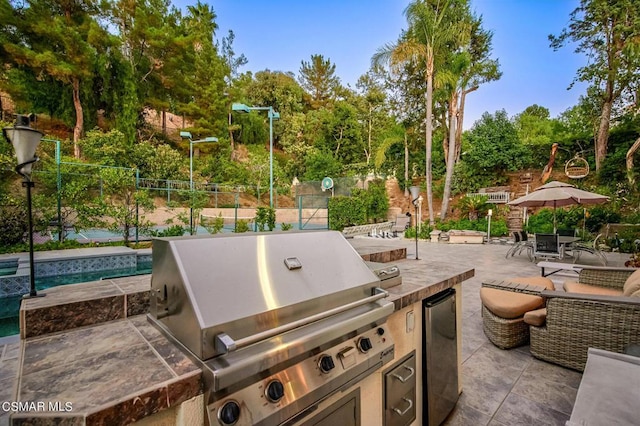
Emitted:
<point x="25" y="141"/>
<point x="272" y="115"/>
<point x="415" y="197"/>
<point x="187" y="135"/>
<point x="489" y="214"/>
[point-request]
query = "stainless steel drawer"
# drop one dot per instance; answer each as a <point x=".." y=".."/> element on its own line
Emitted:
<point x="400" y="392"/>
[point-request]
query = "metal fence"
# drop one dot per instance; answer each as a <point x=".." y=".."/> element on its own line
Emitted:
<point x="307" y="199"/>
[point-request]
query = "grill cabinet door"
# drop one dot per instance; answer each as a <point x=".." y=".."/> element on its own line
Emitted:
<point x="400" y="393"/>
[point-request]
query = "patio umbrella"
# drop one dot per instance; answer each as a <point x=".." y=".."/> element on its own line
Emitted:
<point x="557" y="194"/>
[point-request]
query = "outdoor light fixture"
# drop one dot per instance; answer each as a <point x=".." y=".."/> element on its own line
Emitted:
<point x="187" y="135"/>
<point x="489" y="214"/>
<point x="415" y="197"/>
<point x="25" y="141"/>
<point x="272" y="116"/>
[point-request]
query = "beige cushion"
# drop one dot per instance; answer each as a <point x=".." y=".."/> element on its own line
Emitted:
<point x="632" y="284"/>
<point x="574" y="287"/>
<point x="539" y="281"/>
<point x="636" y="294"/>
<point x="508" y="304"/>
<point x="536" y="318"/>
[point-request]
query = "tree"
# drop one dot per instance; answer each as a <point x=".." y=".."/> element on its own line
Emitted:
<point x="493" y="149"/>
<point x="534" y="126"/>
<point x="428" y="34"/>
<point x="61" y="40"/>
<point x="318" y="78"/>
<point x="160" y="51"/>
<point x="320" y="165"/>
<point x="203" y="97"/>
<point x="608" y="33"/>
<point x="373" y="110"/>
<point x="343" y="134"/>
<point x="468" y="65"/>
<point x="282" y="92"/>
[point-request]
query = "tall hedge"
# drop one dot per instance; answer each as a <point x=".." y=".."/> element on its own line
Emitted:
<point x="346" y="211"/>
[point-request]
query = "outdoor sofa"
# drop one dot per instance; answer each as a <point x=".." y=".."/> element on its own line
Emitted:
<point x="570" y="323"/>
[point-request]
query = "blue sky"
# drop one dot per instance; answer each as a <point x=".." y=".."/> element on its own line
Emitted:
<point x="279" y="34"/>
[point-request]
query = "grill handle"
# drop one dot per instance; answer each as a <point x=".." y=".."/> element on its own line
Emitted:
<point x="224" y="343"/>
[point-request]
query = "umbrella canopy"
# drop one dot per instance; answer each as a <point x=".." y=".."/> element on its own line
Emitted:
<point x="557" y="194"/>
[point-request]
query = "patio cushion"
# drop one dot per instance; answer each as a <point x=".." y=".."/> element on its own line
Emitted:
<point x="632" y="284"/>
<point x="508" y="304"/>
<point x="539" y="281"/>
<point x="574" y="287"/>
<point x="536" y="317"/>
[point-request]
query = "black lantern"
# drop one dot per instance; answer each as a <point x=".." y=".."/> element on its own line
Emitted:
<point x="25" y="141"/>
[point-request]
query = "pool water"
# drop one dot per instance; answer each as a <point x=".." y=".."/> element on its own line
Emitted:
<point x="10" y="306"/>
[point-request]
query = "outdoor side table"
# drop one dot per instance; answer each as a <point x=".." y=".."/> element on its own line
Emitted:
<point x="609" y="391"/>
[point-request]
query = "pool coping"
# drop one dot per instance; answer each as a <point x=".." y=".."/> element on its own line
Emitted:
<point x="77" y="305"/>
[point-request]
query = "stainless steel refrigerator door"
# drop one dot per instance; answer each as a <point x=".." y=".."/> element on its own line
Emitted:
<point x="440" y="357"/>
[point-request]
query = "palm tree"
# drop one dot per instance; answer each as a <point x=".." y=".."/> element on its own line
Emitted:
<point x="467" y="66"/>
<point x="427" y="35"/>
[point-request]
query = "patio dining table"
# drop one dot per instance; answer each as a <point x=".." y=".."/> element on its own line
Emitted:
<point x="565" y="243"/>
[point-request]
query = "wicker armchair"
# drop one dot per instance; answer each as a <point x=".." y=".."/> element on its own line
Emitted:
<point x="612" y="278"/>
<point x="576" y="322"/>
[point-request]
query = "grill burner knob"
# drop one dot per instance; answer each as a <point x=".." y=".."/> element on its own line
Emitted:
<point x="380" y="331"/>
<point x="326" y="363"/>
<point x="229" y="413"/>
<point x="364" y="344"/>
<point x="275" y="391"/>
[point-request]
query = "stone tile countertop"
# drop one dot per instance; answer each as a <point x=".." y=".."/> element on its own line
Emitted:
<point x="121" y="370"/>
<point x="111" y="373"/>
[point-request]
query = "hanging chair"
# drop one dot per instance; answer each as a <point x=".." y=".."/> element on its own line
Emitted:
<point x="576" y="168"/>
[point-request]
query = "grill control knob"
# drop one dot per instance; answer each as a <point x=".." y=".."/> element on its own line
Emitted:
<point x="229" y="413"/>
<point x="364" y="344"/>
<point x="274" y="391"/>
<point x="380" y="331"/>
<point x="326" y="363"/>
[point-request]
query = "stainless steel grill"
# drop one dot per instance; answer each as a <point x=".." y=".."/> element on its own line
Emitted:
<point x="277" y="321"/>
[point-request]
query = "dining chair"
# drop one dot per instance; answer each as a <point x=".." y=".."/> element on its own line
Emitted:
<point x="546" y="246"/>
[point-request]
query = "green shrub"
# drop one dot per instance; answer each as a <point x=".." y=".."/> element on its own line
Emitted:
<point x="50" y="245"/>
<point x="598" y="216"/>
<point x="215" y="225"/>
<point x="627" y="240"/>
<point x="378" y="207"/>
<point x="374" y="200"/>
<point x="171" y="231"/>
<point x="285" y="226"/>
<point x="474" y="206"/>
<point x="242" y="225"/>
<point x="425" y="230"/>
<point x="346" y="211"/>
<point x="13" y="225"/>
<point x="265" y="216"/>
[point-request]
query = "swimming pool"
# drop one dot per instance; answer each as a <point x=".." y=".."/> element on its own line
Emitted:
<point x="10" y="306"/>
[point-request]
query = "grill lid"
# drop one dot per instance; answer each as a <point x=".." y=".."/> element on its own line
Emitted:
<point x="207" y="289"/>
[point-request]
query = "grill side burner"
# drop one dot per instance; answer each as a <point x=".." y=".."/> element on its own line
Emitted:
<point x="276" y="321"/>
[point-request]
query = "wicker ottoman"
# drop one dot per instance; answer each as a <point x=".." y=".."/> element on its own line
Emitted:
<point x="503" y="312"/>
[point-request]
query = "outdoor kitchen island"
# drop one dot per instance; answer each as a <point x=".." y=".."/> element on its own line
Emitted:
<point x="132" y="372"/>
